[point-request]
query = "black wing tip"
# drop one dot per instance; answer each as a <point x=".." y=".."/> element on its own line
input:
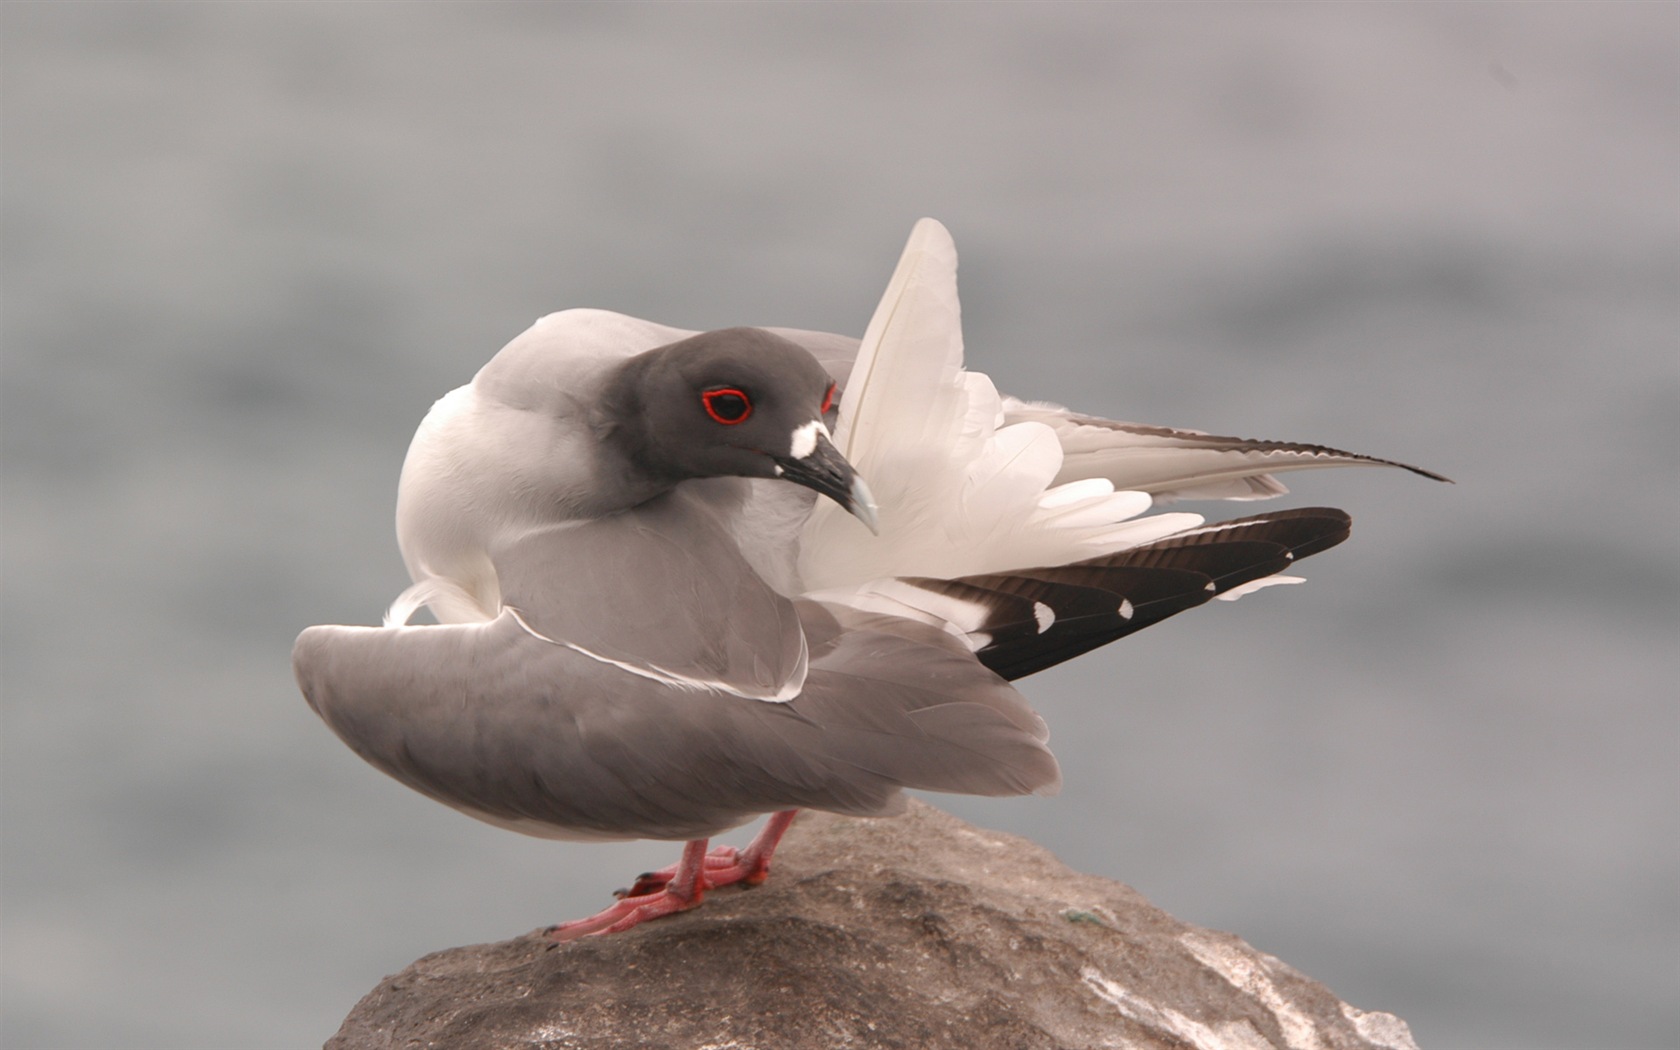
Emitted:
<point x="1301" y="531"/>
<point x="1419" y="471"/>
<point x="1152" y="582"/>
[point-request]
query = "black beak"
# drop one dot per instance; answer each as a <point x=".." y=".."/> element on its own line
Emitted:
<point x="826" y="470"/>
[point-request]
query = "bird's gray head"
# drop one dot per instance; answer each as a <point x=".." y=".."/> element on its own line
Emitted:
<point x="737" y="402"/>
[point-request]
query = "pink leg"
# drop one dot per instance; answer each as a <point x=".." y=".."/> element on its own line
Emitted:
<point x="753" y="864"/>
<point x="654" y="881"/>
<point x="725" y="865"/>
<point x="684" y="890"/>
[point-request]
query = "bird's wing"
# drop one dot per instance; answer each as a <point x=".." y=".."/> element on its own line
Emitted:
<point x="660" y="591"/>
<point x="959" y="491"/>
<point x="1024" y="620"/>
<point x="540" y="738"/>
<point x="1171" y="463"/>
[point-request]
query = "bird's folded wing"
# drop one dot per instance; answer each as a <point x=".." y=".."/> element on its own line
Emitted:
<point x="660" y="591"/>
<point x="545" y="740"/>
<point x="1172" y="463"/>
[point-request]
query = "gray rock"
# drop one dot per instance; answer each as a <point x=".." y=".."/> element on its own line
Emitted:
<point x="918" y="932"/>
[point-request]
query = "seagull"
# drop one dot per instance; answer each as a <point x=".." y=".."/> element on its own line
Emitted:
<point x="682" y="580"/>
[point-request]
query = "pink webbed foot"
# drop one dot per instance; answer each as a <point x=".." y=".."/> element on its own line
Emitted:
<point x="629" y="912"/>
<point x="683" y="890"/>
<point x="683" y="885"/>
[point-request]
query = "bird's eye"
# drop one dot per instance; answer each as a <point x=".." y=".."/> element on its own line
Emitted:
<point x="727" y="405"/>
<point x="828" y="399"/>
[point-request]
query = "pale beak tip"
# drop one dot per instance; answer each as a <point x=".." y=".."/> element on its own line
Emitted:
<point x="863" y="506"/>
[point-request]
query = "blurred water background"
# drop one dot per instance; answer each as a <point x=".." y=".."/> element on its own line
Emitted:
<point x="246" y="245"/>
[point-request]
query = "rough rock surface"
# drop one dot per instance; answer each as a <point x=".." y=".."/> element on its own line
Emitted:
<point x="918" y="932"/>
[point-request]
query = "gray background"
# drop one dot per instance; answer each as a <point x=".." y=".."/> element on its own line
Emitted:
<point x="245" y="246"/>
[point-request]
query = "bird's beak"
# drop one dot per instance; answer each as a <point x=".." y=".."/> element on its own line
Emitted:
<point x="826" y="470"/>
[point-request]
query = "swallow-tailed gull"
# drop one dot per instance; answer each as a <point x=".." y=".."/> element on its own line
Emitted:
<point x="650" y="626"/>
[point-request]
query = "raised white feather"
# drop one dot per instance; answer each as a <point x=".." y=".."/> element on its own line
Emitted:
<point x="960" y="492"/>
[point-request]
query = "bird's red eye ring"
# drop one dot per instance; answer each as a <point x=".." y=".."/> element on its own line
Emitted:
<point x="828" y="399"/>
<point x="727" y="405"/>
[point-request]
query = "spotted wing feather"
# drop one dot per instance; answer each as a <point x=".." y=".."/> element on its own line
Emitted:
<point x="1025" y="620"/>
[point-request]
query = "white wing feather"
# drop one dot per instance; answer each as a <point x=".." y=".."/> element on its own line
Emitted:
<point x="959" y="491"/>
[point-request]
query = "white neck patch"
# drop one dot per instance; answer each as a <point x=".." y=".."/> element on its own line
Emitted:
<point x="805" y="439"/>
